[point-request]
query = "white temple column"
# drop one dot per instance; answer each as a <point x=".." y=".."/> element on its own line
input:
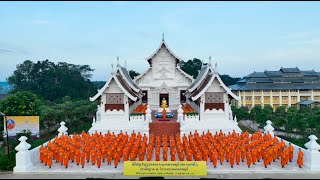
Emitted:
<point x="271" y="99"/>
<point x="262" y="98"/>
<point x="312" y="155"/>
<point x="23" y="156"/>
<point x="252" y="98"/>
<point x="239" y="102"/>
<point x="244" y="98"/>
<point x="126" y="107"/>
<point x="63" y="129"/>
<point x="280" y="98"/>
<point x="202" y="101"/>
<point x="269" y="129"/>
<point x="148" y="114"/>
<point x="312" y="97"/>
<point x="289" y="98"/>
<point x="180" y="114"/>
<point x="298" y="96"/>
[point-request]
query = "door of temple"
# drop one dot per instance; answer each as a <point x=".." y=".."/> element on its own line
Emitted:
<point x="145" y="97"/>
<point x="165" y="96"/>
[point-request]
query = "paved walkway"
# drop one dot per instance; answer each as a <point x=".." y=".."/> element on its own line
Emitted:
<point x="109" y="171"/>
<point x="246" y="175"/>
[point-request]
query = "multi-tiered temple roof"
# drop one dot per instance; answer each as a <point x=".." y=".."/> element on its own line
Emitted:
<point x="284" y="79"/>
<point x="203" y="82"/>
<point x="124" y="82"/>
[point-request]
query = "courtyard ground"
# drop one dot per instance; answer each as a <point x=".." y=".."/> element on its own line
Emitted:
<point x="234" y="175"/>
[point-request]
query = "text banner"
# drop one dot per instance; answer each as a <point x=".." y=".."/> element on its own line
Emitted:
<point x="16" y="124"/>
<point x="165" y="168"/>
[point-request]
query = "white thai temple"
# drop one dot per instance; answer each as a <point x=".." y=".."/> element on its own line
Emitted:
<point x="197" y="104"/>
<point x="131" y="105"/>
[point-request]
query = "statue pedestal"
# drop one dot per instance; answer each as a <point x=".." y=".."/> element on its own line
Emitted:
<point x="158" y="114"/>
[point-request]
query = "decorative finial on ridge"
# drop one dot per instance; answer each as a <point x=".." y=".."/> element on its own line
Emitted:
<point x="112" y="68"/>
<point x="209" y="61"/>
<point x="118" y="61"/>
<point x="201" y="64"/>
<point x="215" y="67"/>
<point x="162" y="36"/>
<point x="125" y="64"/>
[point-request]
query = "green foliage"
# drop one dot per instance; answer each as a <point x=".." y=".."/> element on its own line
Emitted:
<point x="98" y="84"/>
<point x="71" y="112"/>
<point x="244" y="129"/>
<point x="256" y="112"/>
<point x="241" y="113"/>
<point x="133" y="74"/>
<point x="7" y="163"/>
<point x="304" y="121"/>
<point x="137" y="114"/>
<point x="191" y="113"/>
<point x="298" y="142"/>
<point x="21" y="104"/>
<point x="228" y="81"/>
<point x="292" y="118"/>
<point x="53" y="81"/>
<point x="26" y="132"/>
<point x="192" y="67"/>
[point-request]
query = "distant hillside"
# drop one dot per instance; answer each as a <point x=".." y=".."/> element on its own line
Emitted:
<point x="5" y="88"/>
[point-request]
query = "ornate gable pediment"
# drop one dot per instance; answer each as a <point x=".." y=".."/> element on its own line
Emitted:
<point x="165" y="87"/>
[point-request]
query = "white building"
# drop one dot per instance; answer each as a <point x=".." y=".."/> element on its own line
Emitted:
<point x="163" y="79"/>
<point x="207" y="95"/>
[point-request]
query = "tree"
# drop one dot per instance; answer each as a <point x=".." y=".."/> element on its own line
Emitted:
<point x="255" y="113"/>
<point x="266" y="114"/>
<point x="53" y="81"/>
<point x="242" y="113"/>
<point x="292" y="114"/>
<point x="72" y="112"/>
<point x="133" y="74"/>
<point x="21" y="104"/>
<point x="228" y="81"/>
<point x="99" y="84"/>
<point x="280" y="119"/>
<point x="192" y="67"/>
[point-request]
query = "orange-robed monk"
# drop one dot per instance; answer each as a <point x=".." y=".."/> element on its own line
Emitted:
<point x="164" y="114"/>
<point x="300" y="158"/>
<point x="232" y="156"/>
<point x="215" y="159"/>
<point x="82" y="158"/>
<point x="78" y="156"/>
<point x="66" y="159"/>
<point x="49" y="160"/>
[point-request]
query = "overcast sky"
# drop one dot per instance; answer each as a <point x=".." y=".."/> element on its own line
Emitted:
<point x="241" y="36"/>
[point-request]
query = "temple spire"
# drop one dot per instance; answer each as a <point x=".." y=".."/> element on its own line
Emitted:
<point x="209" y="61"/>
<point x="125" y="64"/>
<point x="201" y="64"/>
<point x="162" y="36"/>
<point x="118" y="61"/>
<point x="215" y="67"/>
<point x="112" y="68"/>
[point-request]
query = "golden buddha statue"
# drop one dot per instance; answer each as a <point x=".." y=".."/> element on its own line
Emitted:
<point x="164" y="103"/>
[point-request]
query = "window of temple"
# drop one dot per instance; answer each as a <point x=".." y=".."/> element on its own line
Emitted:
<point x="114" y="101"/>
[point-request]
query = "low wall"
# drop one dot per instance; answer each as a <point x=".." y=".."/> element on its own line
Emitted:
<point x="139" y="118"/>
